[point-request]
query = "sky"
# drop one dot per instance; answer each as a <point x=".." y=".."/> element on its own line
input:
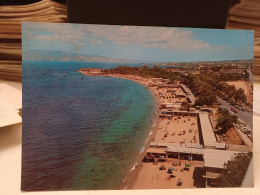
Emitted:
<point x="152" y="44"/>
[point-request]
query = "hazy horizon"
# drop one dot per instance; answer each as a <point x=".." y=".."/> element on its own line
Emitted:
<point x="145" y="44"/>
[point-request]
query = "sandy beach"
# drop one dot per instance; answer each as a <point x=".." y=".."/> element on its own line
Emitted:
<point x="178" y="129"/>
<point x="151" y="177"/>
<point x="180" y="137"/>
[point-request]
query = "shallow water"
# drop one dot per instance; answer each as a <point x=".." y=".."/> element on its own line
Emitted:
<point x="80" y="132"/>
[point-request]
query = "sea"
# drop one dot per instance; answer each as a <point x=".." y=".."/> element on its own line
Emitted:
<point x="80" y="132"/>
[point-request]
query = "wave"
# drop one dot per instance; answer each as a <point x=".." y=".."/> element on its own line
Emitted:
<point x="133" y="167"/>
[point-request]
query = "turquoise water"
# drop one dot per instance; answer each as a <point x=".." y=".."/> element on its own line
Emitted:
<point x="80" y="132"/>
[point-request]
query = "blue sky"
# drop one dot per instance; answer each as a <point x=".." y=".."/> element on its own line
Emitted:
<point x="158" y="44"/>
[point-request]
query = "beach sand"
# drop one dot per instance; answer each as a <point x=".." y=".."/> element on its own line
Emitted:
<point x="183" y="129"/>
<point x="150" y="177"/>
<point x="178" y="130"/>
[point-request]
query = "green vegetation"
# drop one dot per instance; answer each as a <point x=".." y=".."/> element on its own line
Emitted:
<point x="144" y="72"/>
<point x="225" y="121"/>
<point x="230" y="91"/>
<point x="223" y="111"/>
<point x="206" y="93"/>
<point x="205" y="100"/>
<point x="234" y="76"/>
<point x="211" y="84"/>
<point x="204" y="86"/>
<point x="235" y="171"/>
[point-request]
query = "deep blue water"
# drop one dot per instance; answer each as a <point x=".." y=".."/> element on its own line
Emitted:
<point x="80" y="132"/>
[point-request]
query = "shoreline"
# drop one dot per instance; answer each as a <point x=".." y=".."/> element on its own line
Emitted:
<point x="131" y="176"/>
<point x="179" y="129"/>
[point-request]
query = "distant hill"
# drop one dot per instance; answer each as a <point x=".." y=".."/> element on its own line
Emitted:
<point x="66" y="56"/>
<point x="197" y="63"/>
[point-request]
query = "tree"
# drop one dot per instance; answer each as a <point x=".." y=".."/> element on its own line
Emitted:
<point x="240" y="95"/>
<point x="225" y="122"/>
<point x="231" y="91"/>
<point x="205" y="100"/>
<point x="235" y="170"/>
<point x="223" y="111"/>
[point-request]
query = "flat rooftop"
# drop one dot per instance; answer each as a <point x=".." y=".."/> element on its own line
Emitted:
<point x="189" y="93"/>
<point x="156" y="150"/>
<point x="185" y="150"/>
<point x="217" y="158"/>
<point x="208" y="135"/>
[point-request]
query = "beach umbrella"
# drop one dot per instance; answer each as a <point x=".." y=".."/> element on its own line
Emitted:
<point x="171" y="169"/>
<point x="187" y="165"/>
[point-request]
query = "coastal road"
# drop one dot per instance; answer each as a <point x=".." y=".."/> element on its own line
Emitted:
<point x="246" y="117"/>
<point x="251" y="76"/>
<point x="245" y="139"/>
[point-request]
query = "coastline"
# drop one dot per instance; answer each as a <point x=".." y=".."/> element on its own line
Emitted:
<point x="132" y="175"/>
<point x="182" y="129"/>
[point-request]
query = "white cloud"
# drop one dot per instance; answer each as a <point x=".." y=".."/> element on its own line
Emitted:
<point x="149" y="37"/>
<point x="54" y="32"/>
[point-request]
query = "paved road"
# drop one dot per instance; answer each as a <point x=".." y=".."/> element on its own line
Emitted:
<point x="245" y="139"/>
<point x="246" y="117"/>
<point x="251" y="76"/>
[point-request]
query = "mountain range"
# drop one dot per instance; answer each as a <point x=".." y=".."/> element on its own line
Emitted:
<point x="66" y="56"/>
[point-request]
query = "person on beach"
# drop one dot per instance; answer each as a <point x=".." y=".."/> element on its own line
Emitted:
<point x="179" y="183"/>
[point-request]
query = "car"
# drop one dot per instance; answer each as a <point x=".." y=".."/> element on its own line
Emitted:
<point x="248" y="132"/>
